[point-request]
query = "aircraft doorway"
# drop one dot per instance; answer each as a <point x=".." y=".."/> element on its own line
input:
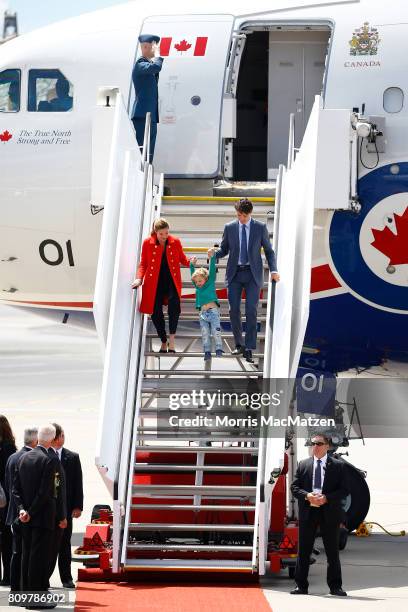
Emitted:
<point x="281" y="72"/>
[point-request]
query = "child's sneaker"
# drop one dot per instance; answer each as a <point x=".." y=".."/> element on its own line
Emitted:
<point x="219" y="353"/>
<point x="207" y="356"/>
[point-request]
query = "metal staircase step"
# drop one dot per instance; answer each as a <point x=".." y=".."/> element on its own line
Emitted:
<point x="205" y="232"/>
<point x="188" y="527"/>
<point x="216" y="437"/>
<point x="245" y="450"/>
<point x="221" y="300"/>
<point x="224" y="565"/>
<point x="197" y="334"/>
<point x="190" y="490"/>
<point x="226" y="318"/>
<point x="222" y="373"/>
<point x="202" y="507"/>
<point x="185" y="354"/>
<point x="214" y="214"/>
<point x="187" y="284"/>
<point x="258" y="198"/>
<point x="161" y="467"/>
<point x="195" y="547"/>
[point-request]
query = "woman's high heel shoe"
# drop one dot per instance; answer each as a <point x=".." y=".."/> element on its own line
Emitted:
<point x="162" y="350"/>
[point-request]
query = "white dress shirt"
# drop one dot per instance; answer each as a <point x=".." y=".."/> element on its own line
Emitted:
<point x="322" y="468"/>
<point x="248" y="231"/>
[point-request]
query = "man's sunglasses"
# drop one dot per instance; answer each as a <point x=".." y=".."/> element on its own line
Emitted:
<point x="318" y="443"/>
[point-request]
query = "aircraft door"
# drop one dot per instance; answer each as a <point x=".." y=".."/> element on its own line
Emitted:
<point x="195" y="51"/>
<point x="296" y="68"/>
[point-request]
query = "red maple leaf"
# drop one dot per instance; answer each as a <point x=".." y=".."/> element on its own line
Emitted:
<point x="182" y="45"/>
<point x="394" y="246"/>
<point x="5" y="136"/>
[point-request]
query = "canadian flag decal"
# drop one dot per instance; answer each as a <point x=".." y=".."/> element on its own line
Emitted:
<point x="393" y="246"/>
<point x="6" y="136"/>
<point x="182" y="46"/>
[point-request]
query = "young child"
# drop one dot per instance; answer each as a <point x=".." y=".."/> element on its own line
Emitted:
<point x="208" y="305"/>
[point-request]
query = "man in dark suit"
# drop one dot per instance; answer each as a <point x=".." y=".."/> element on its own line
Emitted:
<point x="34" y="491"/>
<point x="145" y="77"/>
<point x="242" y="241"/>
<point x="61" y="522"/>
<point x="71" y="465"/>
<point x="30" y="442"/>
<point x="319" y="485"/>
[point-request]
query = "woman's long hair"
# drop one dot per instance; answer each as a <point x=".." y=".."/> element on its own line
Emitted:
<point x="6" y="434"/>
<point x="159" y="224"/>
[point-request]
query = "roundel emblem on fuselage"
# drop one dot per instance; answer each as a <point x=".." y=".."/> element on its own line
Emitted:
<point x="369" y="250"/>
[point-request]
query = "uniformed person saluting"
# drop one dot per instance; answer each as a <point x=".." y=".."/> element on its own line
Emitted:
<point x="145" y="78"/>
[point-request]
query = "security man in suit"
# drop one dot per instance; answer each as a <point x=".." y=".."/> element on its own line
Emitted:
<point x="319" y="485"/>
<point x="71" y="465"/>
<point x="34" y="490"/>
<point x="30" y="442"/>
<point x="242" y="241"/>
<point x="145" y="77"/>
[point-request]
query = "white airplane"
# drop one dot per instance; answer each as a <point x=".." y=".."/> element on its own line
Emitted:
<point x="231" y="78"/>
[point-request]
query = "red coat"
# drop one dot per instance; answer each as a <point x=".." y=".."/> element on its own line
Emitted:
<point x="149" y="268"/>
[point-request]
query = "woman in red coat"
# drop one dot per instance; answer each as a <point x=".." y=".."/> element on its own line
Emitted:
<point x="159" y="271"/>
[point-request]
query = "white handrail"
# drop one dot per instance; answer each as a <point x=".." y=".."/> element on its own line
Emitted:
<point x="291" y="144"/>
<point x="136" y="357"/>
<point x="262" y="512"/>
<point x="146" y="140"/>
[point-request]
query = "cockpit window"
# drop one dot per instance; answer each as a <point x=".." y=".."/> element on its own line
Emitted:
<point x="49" y="91"/>
<point x="10" y="91"/>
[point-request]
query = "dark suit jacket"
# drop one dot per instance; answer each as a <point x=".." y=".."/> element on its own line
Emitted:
<point x="34" y="488"/>
<point x="145" y="77"/>
<point x="11" y="466"/>
<point x="335" y="488"/>
<point x="73" y="477"/>
<point x="258" y="237"/>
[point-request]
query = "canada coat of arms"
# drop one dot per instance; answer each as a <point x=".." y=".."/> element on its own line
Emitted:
<point x="365" y="40"/>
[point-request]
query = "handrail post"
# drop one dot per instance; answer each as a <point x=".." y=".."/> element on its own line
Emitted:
<point x="146" y="140"/>
<point x="291" y="144"/>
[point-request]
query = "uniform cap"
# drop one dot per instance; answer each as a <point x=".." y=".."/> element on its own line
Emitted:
<point x="149" y="38"/>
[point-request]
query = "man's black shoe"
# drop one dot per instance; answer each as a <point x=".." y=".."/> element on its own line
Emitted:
<point x="248" y="356"/>
<point x="68" y="584"/>
<point x="238" y="350"/>
<point x="299" y="591"/>
<point x="338" y="592"/>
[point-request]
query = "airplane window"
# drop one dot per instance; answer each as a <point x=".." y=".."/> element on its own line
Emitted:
<point x="10" y="91"/>
<point x="393" y="100"/>
<point x="49" y="91"/>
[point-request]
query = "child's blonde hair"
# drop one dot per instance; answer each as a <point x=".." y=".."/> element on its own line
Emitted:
<point x="200" y="272"/>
